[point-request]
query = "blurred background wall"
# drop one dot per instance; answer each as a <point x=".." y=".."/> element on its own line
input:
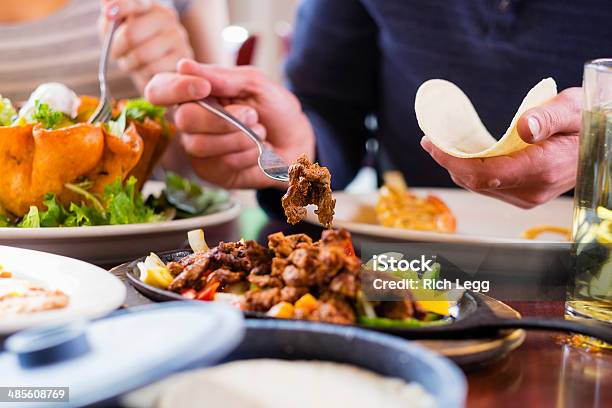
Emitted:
<point x="270" y="21"/>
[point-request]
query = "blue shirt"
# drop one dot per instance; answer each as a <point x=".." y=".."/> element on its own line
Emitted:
<point x="354" y="58"/>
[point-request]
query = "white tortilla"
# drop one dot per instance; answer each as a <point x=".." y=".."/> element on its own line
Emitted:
<point x="268" y="383"/>
<point x="448" y="118"/>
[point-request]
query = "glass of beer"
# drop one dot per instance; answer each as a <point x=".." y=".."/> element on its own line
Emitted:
<point x="590" y="288"/>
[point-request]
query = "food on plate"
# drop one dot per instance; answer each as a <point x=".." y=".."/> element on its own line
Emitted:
<point x="20" y="296"/>
<point x="187" y="198"/>
<point x="535" y="232"/>
<point x="59" y="171"/>
<point x="448" y="118"/>
<point x="280" y="383"/>
<point x="123" y="204"/>
<point x="397" y="207"/>
<point x="50" y="151"/>
<point x="293" y="277"/>
<point x="309" y="183"/>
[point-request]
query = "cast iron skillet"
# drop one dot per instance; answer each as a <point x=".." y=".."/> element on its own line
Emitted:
<point x="473" y="319"/>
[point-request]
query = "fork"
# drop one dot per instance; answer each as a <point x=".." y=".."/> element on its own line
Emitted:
<point x="269" y="162"/>
<point x="104" y="110"/>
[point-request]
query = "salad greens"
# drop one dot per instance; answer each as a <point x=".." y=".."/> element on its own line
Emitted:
<point x="189" y="198"/>
<point x="49" y="118"/>
<point x="7" y="112"/>
<point x="122" y="203"/>
<point x="140" y="109"/>
<point x="117" y="127"/>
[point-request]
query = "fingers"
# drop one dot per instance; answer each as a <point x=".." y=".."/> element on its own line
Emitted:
<point x="192" y="118"/>
<point x="226" y="82"/>
<point x="155" y="49"/>
<point x="119" y="9"/>
<point x="169" y="88"/>
<point x="137" y="30"/>
<point x="223" y="170"/>
<point x="482" y="174"/>
<point x="210" y="145"/>
<point x="527" y="178"/>
<point x="559" y="115"/>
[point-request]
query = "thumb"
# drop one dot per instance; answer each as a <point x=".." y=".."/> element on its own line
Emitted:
<point x="225" y="82"/>
<point x="559" y="115"/>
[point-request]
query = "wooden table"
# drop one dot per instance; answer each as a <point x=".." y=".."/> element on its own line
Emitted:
<point x="543" y="372"/>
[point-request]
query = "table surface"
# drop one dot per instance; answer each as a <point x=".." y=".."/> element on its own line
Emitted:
<point x="544" y="372"/>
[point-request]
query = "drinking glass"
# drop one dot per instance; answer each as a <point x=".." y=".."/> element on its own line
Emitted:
<point x="589" y="292"/>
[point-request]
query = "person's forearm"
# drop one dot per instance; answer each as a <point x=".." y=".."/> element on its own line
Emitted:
<point x="204" y="21"/>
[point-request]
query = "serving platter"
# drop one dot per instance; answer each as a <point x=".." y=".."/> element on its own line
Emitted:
<point x="480" y="219"/>
<point x="92" y="291"/>
<point x="112" y="244"/>
<point x="466" y="349"/>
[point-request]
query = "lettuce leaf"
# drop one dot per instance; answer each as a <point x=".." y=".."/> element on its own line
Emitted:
<point x="117" y="127"/>
<point x="54" y="215"/>
<point x="189" y="198"/>
<point x="82" y="215"/>
<point x="139" y="109"/>
<point x="125" y="205"/>
<point x="31" y="219"/>
<point x="7" y="112"/>
<point x="49" y="118"/>
<point x="5" y="222"/>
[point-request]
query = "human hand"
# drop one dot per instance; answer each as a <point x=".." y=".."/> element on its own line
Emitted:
<point x="219" y="152"/>
<point x="536" y="174"/>
<point x="151" y="38"/>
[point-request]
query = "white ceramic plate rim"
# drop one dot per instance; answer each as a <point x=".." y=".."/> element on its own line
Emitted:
<point x="379" y="231"/>
<point x="122" y="230"/>
<point x="108" y="291"/>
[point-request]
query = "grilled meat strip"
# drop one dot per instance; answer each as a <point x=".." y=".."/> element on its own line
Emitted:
<point x="309" y="183"/>
<point x="229" y="261"/>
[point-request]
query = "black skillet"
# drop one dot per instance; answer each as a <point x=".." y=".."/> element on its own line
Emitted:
<point x="474" y="317"/>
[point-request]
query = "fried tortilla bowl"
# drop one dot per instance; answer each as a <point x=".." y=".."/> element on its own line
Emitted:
<point x="36" y="161"/>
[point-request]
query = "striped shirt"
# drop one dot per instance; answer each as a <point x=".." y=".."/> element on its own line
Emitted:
<point x="63" y="47"/>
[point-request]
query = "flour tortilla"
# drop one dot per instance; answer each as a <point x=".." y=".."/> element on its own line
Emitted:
<point x="267" y="383"/>
<point x="448" y="118"/>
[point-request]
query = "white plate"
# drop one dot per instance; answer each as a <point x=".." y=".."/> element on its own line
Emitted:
<point x="480" y="219"/>
<point x="113" y="244"/>
<point x="93" y="292"/>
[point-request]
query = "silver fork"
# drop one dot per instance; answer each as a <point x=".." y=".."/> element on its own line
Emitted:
<point x="104" y="110"/>
<point x="270" y="163"/>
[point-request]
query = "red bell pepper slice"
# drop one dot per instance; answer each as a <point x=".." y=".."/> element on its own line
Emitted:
<point x="208" y="293"/>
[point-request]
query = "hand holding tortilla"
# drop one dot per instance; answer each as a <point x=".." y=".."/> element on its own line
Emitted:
<point x="448" y="119"/>
<point x="511" y="170"/>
